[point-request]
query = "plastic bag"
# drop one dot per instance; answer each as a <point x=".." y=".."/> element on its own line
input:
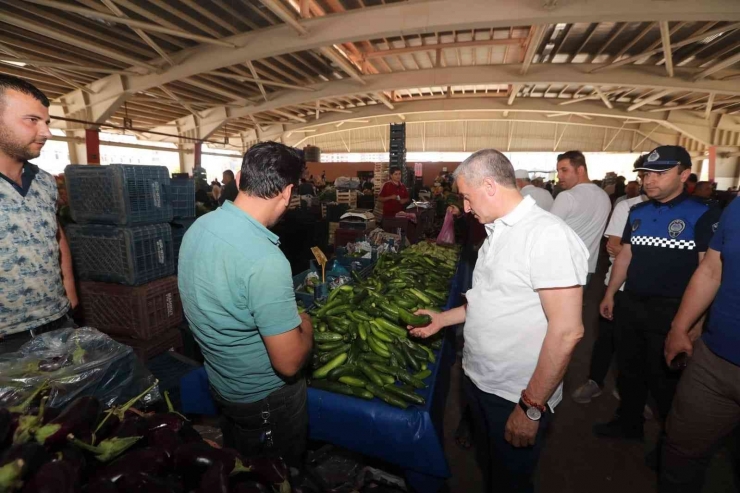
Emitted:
<point x="447" y="234"/>
<point x="75" y="362"/>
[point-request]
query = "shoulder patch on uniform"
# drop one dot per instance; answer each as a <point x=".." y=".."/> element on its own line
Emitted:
<point x="676" y="228"/>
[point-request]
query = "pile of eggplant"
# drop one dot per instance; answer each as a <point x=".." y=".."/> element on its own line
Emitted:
<point x="362" y="347"/>
<point x="83" y="448"/>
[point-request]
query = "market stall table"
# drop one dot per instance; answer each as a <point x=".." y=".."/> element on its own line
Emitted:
<point x="411" y="439"/>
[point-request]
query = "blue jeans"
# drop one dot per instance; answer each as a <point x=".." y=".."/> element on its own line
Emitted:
<point x="505" y="468"/>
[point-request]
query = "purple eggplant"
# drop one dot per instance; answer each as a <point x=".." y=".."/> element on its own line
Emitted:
<point x="32" y="454"/>
<point x="6" y="427"/>
<point x="143" y="483"/>
<point x="171" y="421"/>
<point x="249" y="487"/>
<point x="78" y="419"/>
<point x="101" y="487"/>
<point x="148" y="460"/>
<point x="268" y="469"/>
<point x="166" y="439"/>
<point x="215" y="480"/>
<point x="74" y="457"/>
<point x="188" y="434"/>
<point x="54" y="477"/>
<point x="192" y="460"/>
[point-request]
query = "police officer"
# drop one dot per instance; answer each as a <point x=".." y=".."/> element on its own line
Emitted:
<point x="664" y="240"/>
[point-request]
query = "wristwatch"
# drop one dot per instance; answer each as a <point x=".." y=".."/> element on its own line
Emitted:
<point x="530" y="411"/>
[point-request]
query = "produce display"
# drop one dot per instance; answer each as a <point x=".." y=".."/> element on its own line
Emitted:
<point x="362" y="347"/>
<point x="83" y="448"/>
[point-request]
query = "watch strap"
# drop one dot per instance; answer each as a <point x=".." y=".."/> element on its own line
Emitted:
<point x="529" y="402"/>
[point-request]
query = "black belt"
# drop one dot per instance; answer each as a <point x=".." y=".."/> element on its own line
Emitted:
<point x="37" y="331"/>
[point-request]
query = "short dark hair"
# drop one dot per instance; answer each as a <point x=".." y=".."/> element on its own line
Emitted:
<point x="20" y="85"/>
<point x="229" y="173"/>
<point x="576" y="159"/>
<point x="269" y="167"/>
<point x="393" y="169"/>
<point x="692" y="177"/>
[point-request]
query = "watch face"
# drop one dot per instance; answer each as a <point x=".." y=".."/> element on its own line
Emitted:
<point x="534" y="414"/>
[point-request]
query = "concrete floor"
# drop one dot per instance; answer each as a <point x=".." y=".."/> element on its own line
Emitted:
<point x="574" y="460"/>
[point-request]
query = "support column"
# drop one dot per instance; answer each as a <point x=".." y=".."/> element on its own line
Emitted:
<point x="92" y="146"/>
<point x="727" y="171"/>
<point x="190" y="157"/>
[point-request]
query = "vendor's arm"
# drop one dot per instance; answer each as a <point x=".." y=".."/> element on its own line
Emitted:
<point x="288" y="337"/>
<point x="439" y="321"/>
<point x="65" y="260"/>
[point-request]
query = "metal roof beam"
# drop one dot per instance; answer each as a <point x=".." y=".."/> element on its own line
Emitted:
<point x="419" y="17"/>
<point x="665" y="37"/>
<point x="146" y="26"/>
<point x="45" y="30"/>
<point x="673" y="46"/>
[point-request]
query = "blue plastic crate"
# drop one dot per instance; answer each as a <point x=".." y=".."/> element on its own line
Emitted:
<point x="119" y="194"/>
<point x="131" y="256"/>
<point x="349" y="262"/>
<point x="183" y="197"/>
<point x="179" y="228"/>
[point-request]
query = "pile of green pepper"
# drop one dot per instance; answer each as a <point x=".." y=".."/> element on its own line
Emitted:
<point x="362" y="346"/>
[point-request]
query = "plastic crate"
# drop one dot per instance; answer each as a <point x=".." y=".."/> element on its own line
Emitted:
<point x="120" y="194"/>
<point x="132" y="256"/>
<point x="138" y="312"/>
<point x="183" y="197"/>
<point x="171" y="340"/>
<point x="179" y="228"/>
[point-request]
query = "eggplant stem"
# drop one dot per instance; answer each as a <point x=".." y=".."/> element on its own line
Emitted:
<point x="119" y="411"/>
<point x="170" y="407"/>
<point x="86" y="446"/>
<point x="239" y="467"/>
<point x="23" y="406"/>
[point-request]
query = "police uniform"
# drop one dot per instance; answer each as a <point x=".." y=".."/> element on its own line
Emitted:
<point x="665" y="240"/>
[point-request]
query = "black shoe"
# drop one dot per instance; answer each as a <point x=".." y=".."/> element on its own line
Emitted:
<point x="617" y="428"/>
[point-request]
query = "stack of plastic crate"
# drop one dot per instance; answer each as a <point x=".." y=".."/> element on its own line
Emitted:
<point x="123" y="254"/>
<point x="183" y="211"/>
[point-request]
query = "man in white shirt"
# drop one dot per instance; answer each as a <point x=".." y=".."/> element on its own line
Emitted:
<point x="541" y="196"/>
<point x="522" y="320"/>
<point x="582" y="205"/>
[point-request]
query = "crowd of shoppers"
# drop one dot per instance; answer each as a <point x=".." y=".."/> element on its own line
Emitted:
<point x="675" y="257"/>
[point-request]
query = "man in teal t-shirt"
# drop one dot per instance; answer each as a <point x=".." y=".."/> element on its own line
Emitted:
<point x="237" y="292"/>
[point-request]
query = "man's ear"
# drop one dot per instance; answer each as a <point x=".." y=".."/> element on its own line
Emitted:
<point x="287" y="191"/>
<point x="489" y="186"/>
<point x="238" y="179"/>
<point x="685" y="175"/>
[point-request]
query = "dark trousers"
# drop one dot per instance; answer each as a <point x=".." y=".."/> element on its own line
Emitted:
<point x="13" y="342"/>
<point x="505" y="468"/>
<point x="282" y="415"/>
<point x="603" y="349"/>
<point x="705" y="410"/>
<point x="641" y="327"/>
